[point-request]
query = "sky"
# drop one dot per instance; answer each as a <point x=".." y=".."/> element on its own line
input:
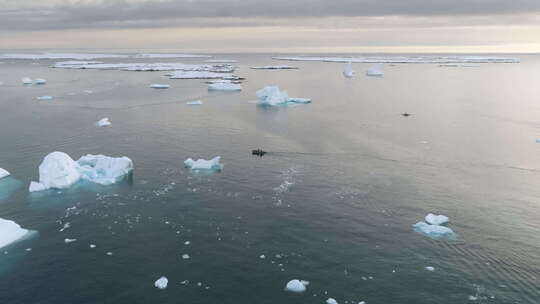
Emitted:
<point x="450" y="26"/>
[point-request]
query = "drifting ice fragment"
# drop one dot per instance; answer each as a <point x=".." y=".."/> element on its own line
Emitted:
<point x="104" y="170"/>
<point x="375" y="70"/>
<point x="296" y="286"/>
<point x="194" y="103"/>
<point x="433" y="219"/>
<point x="161" y="283"/>
<point x="67" y="241"/>
<point x="434" y="231"/>
<point x="202" y="164"/>
<point x="331" y="301"/>
<point x="348" y="71"/>
<point x="429" y="268"/>
<point x="46" y="97"/>
<point x="3" y="173"/>
<point x="27" y="80"/>
<point x="160" y="86"/>
<point x="224" y="87"/>
<point x="11" y="232"/>
<point x="103" y="122"/>
<point x="40" y="81"/>
<point x="272" y="96"/>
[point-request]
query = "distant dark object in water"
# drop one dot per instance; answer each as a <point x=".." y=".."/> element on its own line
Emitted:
<point x="258" y="152"/>
<point x="406" y="114"/>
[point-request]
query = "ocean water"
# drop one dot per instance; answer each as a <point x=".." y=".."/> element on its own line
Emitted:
<point x="333" y="202"/>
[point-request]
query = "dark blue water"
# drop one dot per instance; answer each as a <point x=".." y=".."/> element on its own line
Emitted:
<point x="332" y="203"/>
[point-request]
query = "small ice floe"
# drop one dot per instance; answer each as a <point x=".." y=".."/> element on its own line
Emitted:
<point x="274" y="67"/>
<point x="3" y="173"/>
<point x="45" y="97"/>
<point x="185" y="256"/>
<point x="375" y="70"/>
<point x="331" y="301"/>
<point x="197" y="75"/>
<point x="187" y="243"/>
<point x="11" y="232"/>
<point x="224" y="86"/>
<point x="430" y="268"/>
<point x="348" y="71"/>
<point x="203" y="164"/>
<point x="67" y="241"/>
<point x="103" y="122"/>
<point x="436" y="232"/>
<point x="194" y="103"/>
<point x="161" y="283"/>
<point x="27" y="80"/>
<point x="262" y="256"/>
<point x="92" y="246"/>
<point x="433" y="219"/>
<point x="272" y="96"/>
<point x="160" y="86"/>
<point x="297" y="286"/>
<point x="109" y="253"/>
<point x="59" y="171"/>
<point x="40" y="81"/>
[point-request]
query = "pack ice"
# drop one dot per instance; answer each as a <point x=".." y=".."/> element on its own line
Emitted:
<point x="10" y="232"/>
<point x="59" y="171"/>
<point x="203" y="164"/>
<point x="272" y="96"/>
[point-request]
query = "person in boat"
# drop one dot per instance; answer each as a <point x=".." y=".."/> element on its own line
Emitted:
<point x="258" y="152"/>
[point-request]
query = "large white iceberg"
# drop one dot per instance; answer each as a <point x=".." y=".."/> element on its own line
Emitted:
<point x="203" y="164"/>
<point x="10" y="232"/>
<point x="273" y="96"/>
<point x="297" y="286"/>
<point x="436" y="232"/>
<point x="3" y="173"/>
<point x="375" y="70"/>
<point x="59" y="171"/>
<point x="224" y="86"/>
<point x="433" y="219"/>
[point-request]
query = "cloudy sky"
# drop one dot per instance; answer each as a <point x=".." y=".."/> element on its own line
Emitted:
<point x="274" y="25"/>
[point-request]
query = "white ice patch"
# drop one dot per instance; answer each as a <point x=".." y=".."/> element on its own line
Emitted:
<point x="433" y="219"/>
<point x="3" y="173"/>
<point x="27" y="81"/>
<point x="10" y="232"/>
<point x="104" y="170"/>
<point x="197" y="75"/>
<point x="297" y="286"/>
<point x="103" y="122"/>
<point x="45" y="97"/>
<point x="67" y="241"/>
<point x="407" y="59"/>
<point x="224" y="87"/>
<point x="221" y="61"/>
<point x="160" y="86"/>
<point x="274" y="67"/>
<point x="375" y="70"/>
<point x="161" y="283"/>
<point x="272" y="96"/>
<point x="434" y="231"/>
<point x="203" y="164"/>
<point x="185" y="256"/>
<point x="430" y="268"/>
<point x="194" y="103"/>
<point x="331" y="301"/>
<point x="57" y="171"/>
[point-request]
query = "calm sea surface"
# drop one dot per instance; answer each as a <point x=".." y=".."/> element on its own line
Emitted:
<point x="333" y="202"/>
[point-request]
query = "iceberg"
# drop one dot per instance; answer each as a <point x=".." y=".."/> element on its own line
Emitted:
<point x="59" y="171"/>
<point x="272" y="96"/>
<point x="296" y="286"/>
<point x="27" y="80"/>
<point x="103" y="122"/>
<point x="430" y="268"/>
<point x="406" y="59"/>
<point x="224" y="86"/>
<point x="197" y="75"/>
<point x="274" y="67"/>
<point x="436" y="232"/>
<point x="40" y="81"/>
<point x="203" y="164"/>
<point x="104" y="170"/>
<point x="348" y="71"/>
<point x="433" y="219"/>
<point x="331" y="301"/>
<point x="194" y="103"/>
<point x="11" y="232"/>
<point x="161" y="283"/>
<point x="3" y="173"/>
<point x="46" y="97"/>
<point x="375" y="70"/>
<point x="160" y="86"/>
<point x="67" y="241"/>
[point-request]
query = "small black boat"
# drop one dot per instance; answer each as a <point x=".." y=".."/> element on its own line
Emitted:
<point x="258" y="152"/>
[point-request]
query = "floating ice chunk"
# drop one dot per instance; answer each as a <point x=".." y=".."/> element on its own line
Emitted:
<point x="40" y="81"/>
<point x="67" y="241"/>
<point x="11" y="232"/>
<point x="185" y="256"/>
<point x="434" y="231"/>
<point x="197" y="75"/>
<point x="194" y="103"/>
<point x="348" y="71"/>
<point x="203" y="164"/>
<point x="262" y="256"/>
<point x="92" y="246"/>
<point x="297" y="286"/>
<point x="430" y="268"/>
<point x="57" y="171"/>
<point x="274" y="67"/>
<point x="161" y="283"/>
<point x="103" y="169"/>
<point x="331" y="301"/>
<point x="433" y="219"/>
<point x="375" y="70"/>
<point x="3" y="173"/>
<point x="103" y="122"/>
<point x="272" y="96"/>
<point x="46" y="97"/>
<point x="224" y="87"/>
<point x="109" y="253"/>
<point x="27" y="80"/>
<point x="160" y="86"/>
